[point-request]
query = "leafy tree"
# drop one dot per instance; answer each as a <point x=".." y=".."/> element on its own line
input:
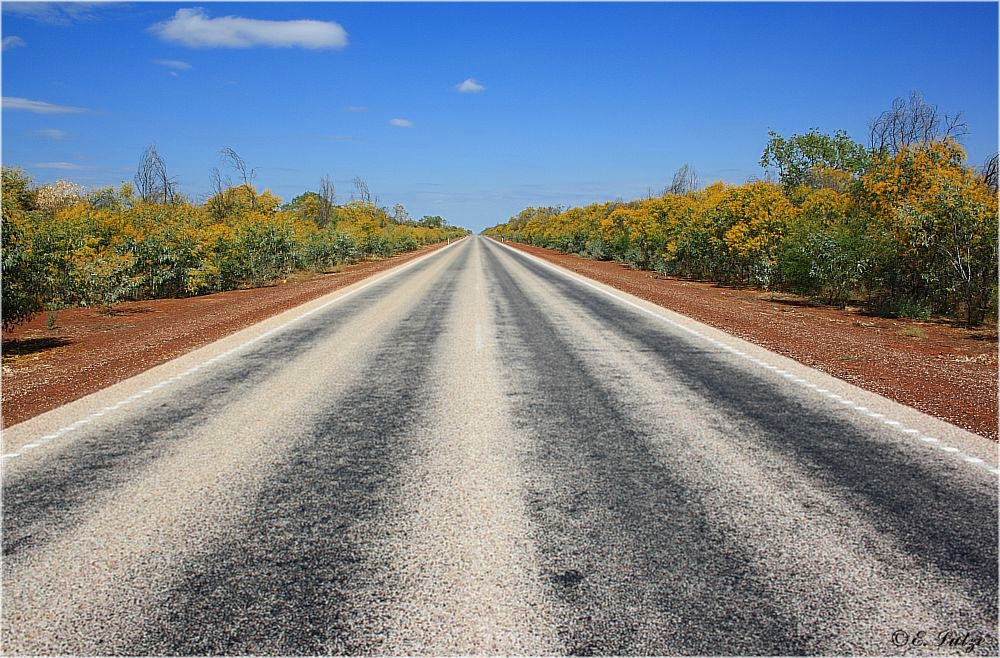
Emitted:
<point x="749" y="224"/>
<point x="940" y="219"/>
<point x="307" y="206"/>
<point x="809" y="160"/>
<point x="19" y="192"/>
<point x="25" y="288"/>
<point x="823" y="252"/>
<point x="432" y="221"/>
<point x="58" y="195"/>
<point x="399" y="214"/>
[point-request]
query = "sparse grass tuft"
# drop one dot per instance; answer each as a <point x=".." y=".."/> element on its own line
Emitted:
<point x="913" y="332"/>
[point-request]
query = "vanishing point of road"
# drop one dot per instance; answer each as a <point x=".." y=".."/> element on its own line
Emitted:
<point x="479" y="453"/>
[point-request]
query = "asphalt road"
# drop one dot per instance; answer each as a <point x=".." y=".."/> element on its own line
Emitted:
<point x="477" y="453"/>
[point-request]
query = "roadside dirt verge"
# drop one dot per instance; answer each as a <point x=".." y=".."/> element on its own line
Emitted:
<point x="85" y="350"/>
<point x="943" y="370"/>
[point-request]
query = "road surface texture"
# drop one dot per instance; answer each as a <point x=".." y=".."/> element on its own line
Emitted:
<point x="477" y="453"/>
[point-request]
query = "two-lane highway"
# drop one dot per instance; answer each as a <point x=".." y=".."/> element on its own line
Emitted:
<point x="479" y="453"/>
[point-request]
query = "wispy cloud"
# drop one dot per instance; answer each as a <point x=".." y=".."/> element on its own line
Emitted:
<point x="401" y="123"/>
<point x="64" y="166"/>
<point x="38" y="107"/>
<point x="56" y="13"/>
<point x="13" y="42"/>
<point x="470" y="86"/>
<point x="355" y="108"/>
<point x="194" y="28"/>
<point x="174" y="64"/>
<point x="51" y="133"/>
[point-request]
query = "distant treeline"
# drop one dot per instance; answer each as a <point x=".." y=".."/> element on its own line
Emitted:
<point x="904" y="227"/>
<point x="63" y="246"/>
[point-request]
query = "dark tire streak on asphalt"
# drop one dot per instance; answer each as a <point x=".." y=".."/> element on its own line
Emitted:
<point x="282" y="587"/>
<point x="50" y="499"/>
<point x="624" y="544"/>
<point x="904" y="497"/>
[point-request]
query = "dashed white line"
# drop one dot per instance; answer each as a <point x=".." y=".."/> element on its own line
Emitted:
<point x="190" y="371"/>
<point x="752" y="359"/>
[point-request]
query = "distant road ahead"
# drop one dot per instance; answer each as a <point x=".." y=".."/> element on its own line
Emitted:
<point x="477" y="453"/>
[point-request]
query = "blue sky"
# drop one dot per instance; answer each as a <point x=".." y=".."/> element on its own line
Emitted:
<point x="563" y="103"/>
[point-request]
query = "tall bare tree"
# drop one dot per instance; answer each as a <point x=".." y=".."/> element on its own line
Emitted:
<point x="328" y="199"/>
<point x="364" y="195"/>
<point x="989" y="173"/>
<point x="368" y="200"/>
<point x="245" y="173"/>
<point x="911" y="122"/>
<point x="152" y="183"/>
<point x="685" y="181"/>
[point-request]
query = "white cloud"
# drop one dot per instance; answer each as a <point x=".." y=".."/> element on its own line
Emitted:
<point x="38" y="107"/>
<point x="193" y="27"/>
<point x="401" y="123"/>
<point x="65" y="166"/>
<point x="56" y="13"/>
<point x="470" y="86"/>
<point x="13" y="42"/>
<point x="175" y="64"/>
<point x="51" y="133"/>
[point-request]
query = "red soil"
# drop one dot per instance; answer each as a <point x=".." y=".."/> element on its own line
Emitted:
<point x="937" y="367"/>
<point x="86" y="349"/>
<point x="941" y="369"/>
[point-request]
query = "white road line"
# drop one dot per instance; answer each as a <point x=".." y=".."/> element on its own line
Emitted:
<point x="136" y="396"/>
<point x="862" y="410"/>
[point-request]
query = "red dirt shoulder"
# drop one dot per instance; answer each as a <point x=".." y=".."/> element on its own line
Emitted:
<point x="87" y="350"/>
<point x="943" y="370"/>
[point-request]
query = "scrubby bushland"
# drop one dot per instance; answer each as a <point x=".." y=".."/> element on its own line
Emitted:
<point x="907" y="231"/>
<point x="64" y="247"/>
